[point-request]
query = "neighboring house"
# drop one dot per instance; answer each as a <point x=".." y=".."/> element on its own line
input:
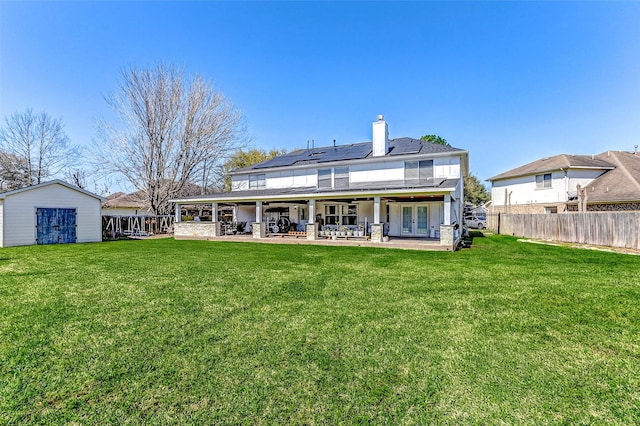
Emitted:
<point x="49" y="213"/>
<point x="615" y="190"/>
<point x="121" y="204"/>
<point x="551" y="185"/>
<point x="396" y="187"/>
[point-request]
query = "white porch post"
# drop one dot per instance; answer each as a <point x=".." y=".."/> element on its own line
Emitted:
<point x="258" y="211"/>
<point x="178" y="216"/>
<point x="377" y="228"/>
<point x="447" y="209"/>
<point x="217" y="228"/>
<point x="312" y="211"/>
<point x="312" y="227"/>
<point x="259" y="228"/>
<point x="446" y="229"/>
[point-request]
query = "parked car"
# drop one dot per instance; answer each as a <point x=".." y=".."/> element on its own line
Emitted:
<point x="479" y="222"/>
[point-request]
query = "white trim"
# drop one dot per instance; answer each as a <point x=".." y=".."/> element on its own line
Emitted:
<point x="320" y="195"/>
<point x="4" y="195"/>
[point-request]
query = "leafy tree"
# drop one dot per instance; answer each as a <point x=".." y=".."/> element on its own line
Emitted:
<point x="174" y="131"/>
<point x="244" y="159"/>
<point x="34" y="148"/>
<point x="438" y="140"/>
<point x="474" y="191"/>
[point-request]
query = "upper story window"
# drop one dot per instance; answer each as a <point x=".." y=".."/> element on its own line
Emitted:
<point x="257" y="181"/>
<point x="337" y="177"/>
<point x="543" y="181"/>
<point x="324" y="178"/>
<point x="341" y="177"/>
<point x="416" y="172"/>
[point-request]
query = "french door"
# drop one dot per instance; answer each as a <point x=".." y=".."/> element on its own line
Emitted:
<point x="415" y="220"/>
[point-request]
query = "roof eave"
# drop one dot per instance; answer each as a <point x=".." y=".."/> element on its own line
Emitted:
<point x="555" y="169"/>
<point x="458" y="152"/>
<point x="4" y="195"/>
<point x="321" y="195"/>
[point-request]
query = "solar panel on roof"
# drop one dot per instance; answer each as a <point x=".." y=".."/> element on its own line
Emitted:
<point x="276" y="162"/>
<point x="352" y="152"/>
<point x="406" y="148"/>
<point x="284" y="160"/>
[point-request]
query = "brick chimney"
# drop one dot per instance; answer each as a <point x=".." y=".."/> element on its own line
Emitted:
<point x="380" y="137"/>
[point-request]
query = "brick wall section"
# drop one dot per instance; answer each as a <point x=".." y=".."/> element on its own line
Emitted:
<point x="196" y="230"/>
<point x="376" y="232"/>
<point x="312" y="231"/>
<point x="528" y="208"/>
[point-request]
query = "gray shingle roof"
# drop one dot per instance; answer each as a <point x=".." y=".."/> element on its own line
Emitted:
<point x="621" y="184"/>
<point x="134" y="200"/>
<point x="557" y="162"/>
<point x="357" y="151"/>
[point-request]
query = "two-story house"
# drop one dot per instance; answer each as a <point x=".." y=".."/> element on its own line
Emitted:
<point x="400" y="187"/>
<point x="606" y="182"/>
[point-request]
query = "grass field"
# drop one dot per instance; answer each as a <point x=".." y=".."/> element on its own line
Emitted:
<point x="190" y="332"/>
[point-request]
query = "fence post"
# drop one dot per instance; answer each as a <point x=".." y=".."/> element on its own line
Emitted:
<point x="498" y="223"/>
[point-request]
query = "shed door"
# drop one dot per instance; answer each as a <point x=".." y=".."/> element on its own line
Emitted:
<point x="55" y="226"/>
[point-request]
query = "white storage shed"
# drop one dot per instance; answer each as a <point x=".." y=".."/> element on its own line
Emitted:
<point x="50" y="213"/>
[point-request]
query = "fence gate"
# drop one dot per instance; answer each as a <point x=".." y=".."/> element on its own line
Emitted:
<point x="55" y="226"/>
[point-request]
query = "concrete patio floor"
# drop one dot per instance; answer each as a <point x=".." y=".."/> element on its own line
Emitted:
<point x="393" y="243"/>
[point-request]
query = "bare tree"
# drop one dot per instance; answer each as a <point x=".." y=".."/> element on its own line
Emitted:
<point x="175" y="131"/>
<point x="77" y="177"/>
<point x="13" y="172"/>
<point x="39" y="143"/>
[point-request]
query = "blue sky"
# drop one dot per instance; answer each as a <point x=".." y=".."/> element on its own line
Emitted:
<point x="510" y="82"/>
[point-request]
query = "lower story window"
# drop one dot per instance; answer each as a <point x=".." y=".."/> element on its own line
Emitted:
<point x="341" y="214"/>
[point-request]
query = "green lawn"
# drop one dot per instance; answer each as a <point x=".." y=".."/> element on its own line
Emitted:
<point x="163" y="331"/>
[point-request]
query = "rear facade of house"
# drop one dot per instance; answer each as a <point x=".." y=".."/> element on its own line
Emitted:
<point x="399" y="187"/>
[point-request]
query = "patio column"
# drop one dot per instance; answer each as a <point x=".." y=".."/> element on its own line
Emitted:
<point x="446" y="229"/>
<point x="312" y="227"/>
<point x="312" y="211"/>
<point x="259" y="228"/>
<point x="377" y="228"/>
<point x="447" y="209"/>
<point x="376" y="209"/>
<point x="178" y="216"/>
<point x="258" y="211"/>
<point x="217" y="229"/>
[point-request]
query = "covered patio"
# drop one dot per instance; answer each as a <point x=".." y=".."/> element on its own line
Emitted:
<point x="419" y="216"/>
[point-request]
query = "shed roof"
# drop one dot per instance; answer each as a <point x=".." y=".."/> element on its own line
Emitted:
<point x="45" y="184"/>
<point x="557" y="162"/>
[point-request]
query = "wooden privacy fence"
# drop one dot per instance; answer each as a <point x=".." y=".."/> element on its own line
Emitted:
<point x="614" y="229"/>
